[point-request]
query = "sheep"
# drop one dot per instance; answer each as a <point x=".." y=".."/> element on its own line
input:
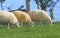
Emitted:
<point x="40" y="16"/>
<point x="8" y="18"/>
<point x="23" y="17"/>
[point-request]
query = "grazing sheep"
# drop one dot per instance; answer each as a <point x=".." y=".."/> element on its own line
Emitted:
<point x="40" y="16"/>
<point x="8" y="18"/>
<point x="23" y="17"/>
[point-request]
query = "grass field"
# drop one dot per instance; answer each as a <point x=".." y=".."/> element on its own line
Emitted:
<point x="43" y="31"/>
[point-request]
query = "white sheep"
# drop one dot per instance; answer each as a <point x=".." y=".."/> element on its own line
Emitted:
<point x="40" y="15"/>
<point x="8" y="18"/>
<point x="23" y="17"/>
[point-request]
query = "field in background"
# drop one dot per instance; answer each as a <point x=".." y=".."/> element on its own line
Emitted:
<point x="43" y="31"/>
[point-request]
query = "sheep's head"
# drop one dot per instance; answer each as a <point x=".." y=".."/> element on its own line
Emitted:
<point x="31" y="23"/>
<point x="18" y="24"/>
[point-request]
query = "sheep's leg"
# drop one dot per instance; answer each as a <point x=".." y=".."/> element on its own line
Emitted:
<point x="51" y="22"/>
<point x="40" y="23"/>
<point x="21" y="24"/>
<point x="32" y="24"/>
<point x="8" y="25"/>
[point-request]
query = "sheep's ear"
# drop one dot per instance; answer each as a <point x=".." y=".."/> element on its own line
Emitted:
<point x="32" y="24"/>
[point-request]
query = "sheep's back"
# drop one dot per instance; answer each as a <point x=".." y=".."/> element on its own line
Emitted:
<point x="13" y="19"/>
<point x="44" y="15"/>
<point x="22" y="16"/>
<point x="4" y="17"/>
<point x="39" y="15"/>
<point x="33" y="15"/>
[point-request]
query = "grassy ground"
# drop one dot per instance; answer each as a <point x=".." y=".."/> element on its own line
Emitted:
<point x="43" y="31"/>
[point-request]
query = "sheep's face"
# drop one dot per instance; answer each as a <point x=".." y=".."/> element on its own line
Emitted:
<point x="18" y="24"/>
<point x="31" y="23"/>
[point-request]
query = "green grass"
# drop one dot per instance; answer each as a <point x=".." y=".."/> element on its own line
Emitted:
<point x="43" y="31"/>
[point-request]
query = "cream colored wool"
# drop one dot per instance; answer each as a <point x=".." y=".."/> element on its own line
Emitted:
<point x="39" y="15"/>
<point x="8" y="18"/>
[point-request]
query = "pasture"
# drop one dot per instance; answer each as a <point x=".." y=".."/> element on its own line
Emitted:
<point x="38" y="31"/>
